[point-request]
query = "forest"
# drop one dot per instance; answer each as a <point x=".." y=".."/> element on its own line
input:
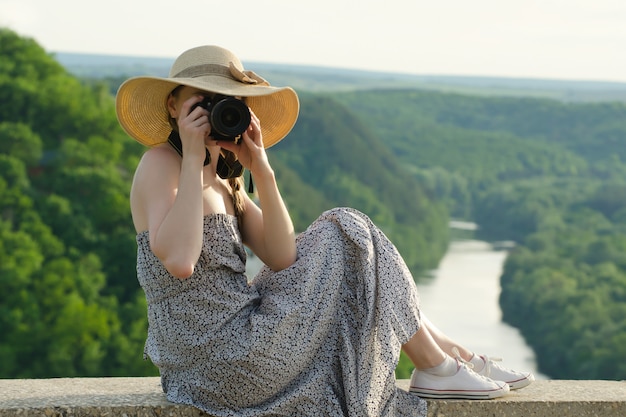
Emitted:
<point x="548" y="174"/>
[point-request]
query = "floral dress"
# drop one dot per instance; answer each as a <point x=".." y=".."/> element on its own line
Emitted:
<point x="320" y="338"/>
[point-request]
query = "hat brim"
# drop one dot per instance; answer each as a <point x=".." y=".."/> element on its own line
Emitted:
<point x="142" y="109"/>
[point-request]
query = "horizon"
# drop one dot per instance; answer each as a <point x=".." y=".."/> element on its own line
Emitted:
<point x="318" y="67"/>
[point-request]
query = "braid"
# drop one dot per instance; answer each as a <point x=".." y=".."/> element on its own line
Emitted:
<point x="236" y="185"/>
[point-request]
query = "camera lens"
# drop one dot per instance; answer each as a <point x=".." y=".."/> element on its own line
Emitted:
<point x="230" y="117"/>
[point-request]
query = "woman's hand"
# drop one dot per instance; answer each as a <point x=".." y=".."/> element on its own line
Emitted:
<point x="250" y="150"/>
<point x="194" y="128"/>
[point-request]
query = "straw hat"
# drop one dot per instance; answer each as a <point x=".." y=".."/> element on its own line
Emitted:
<point x="141" y="101"/>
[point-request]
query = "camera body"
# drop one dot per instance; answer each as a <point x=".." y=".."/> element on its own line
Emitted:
<point x="229" y="116"/>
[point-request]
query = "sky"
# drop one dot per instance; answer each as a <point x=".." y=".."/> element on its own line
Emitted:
<point x="550" y="39"/>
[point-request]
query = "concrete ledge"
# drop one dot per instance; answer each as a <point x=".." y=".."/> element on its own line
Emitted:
<point x="552" y="398"/>
<point x="143" y="397"/>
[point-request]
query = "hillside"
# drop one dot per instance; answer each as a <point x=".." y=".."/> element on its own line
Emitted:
<point x="538" y="162"/>
<point x="548" y="173"/>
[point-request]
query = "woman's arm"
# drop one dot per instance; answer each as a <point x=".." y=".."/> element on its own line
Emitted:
<point x="268" y="229"/>
<point x="166" y="200"/>
<point x="166" y="197"/>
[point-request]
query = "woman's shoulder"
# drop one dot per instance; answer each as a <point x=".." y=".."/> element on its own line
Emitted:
<point x="156" y="162"/>
<point x="155" y="177"/>
<point x="160" y="154"/>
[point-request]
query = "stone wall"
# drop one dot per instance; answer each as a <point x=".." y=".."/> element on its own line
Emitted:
<point x="126" y="397"/>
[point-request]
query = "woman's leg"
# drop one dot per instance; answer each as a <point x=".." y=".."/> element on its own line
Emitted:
<point x="438" y="375"/>
<point x="423" y="350"/>
<point x="445" y="342"/>
<point x="481" y="364"/>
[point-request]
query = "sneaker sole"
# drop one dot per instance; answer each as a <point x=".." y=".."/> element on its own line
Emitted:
<point x="459" y="394"/>
<point x="521" y="383"/>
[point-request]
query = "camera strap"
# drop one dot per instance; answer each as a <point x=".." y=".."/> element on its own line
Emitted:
<point x="224" y="169"/>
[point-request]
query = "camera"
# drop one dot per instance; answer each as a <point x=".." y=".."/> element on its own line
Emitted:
<point x="229" y="116"/>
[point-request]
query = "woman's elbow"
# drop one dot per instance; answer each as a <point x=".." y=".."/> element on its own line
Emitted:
<point x="179" y="267"/>
<point x="180" y="270"/>
<point x="178" y="262"/>
<point x="283" y="262"/>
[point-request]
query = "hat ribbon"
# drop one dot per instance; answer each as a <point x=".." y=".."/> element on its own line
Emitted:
<point x="247" y="77"/>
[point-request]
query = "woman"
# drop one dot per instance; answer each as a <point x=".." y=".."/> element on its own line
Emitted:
<point x="319" y="330"/>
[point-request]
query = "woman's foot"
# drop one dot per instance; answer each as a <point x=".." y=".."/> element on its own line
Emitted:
<point x="486" y="366"/>
<point x="455" y="379"/>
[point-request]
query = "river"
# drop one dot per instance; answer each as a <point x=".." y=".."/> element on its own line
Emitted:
<point x="461" y="298"/>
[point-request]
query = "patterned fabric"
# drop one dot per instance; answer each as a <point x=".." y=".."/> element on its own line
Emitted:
<point x="320" y="338"/>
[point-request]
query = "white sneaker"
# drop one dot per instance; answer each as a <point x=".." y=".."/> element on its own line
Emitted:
<point x="465" y="384"/>
<point x="493" y="370"/>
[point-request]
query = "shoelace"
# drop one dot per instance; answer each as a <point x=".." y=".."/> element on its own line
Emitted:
<point x="490" y="363"/>
<point x="469" y="365"/>
<point x="457" y="356"/>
